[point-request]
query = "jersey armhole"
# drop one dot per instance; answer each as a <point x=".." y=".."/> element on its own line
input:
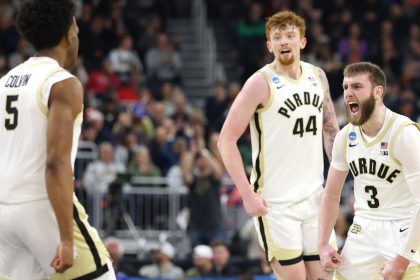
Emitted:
<point x="318" y="78"/>
<point x="271" y="92"/>
<point x="344" y="147"/>
<point x="394" y="137"/>
<point x="41" y="106"/>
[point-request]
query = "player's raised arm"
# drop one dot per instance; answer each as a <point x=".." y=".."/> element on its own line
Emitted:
<point x="254" y="93"/>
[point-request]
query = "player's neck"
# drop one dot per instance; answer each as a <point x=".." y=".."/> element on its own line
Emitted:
<point x="375" y="122"/>
<point x="54" y="53"/>
<point x="293" y="71"/>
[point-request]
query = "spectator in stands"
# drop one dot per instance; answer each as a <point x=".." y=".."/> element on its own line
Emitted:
<point x="23" y="52"/>
<point x="96" y="118"/>
<point x="202" y="262"/>
<point x="125" y="150"/>
<point x="100" y="173"/>
<point x="162" y="267"/>
<point x="102" y="79"/>
<point x="116" y="252"/>
<point x="174" y="175"/>
<point x="222" y="264"/>
<point x="141" y="123"/>
<point x="249" y="235"/>
<point x="161" y="150"/>
<point x="201" y="172"/>
<point x="262" y="267"/>
<point x="142" y="164"/>
<point x="124" y="58"/>
<point x="251" y="34"/>
<point x="353" y="48"/>
<point x="148" y="38"/>
<point x="215" y="107"/>
<point x="163" y="63"/>
<point x="181" y="114"/>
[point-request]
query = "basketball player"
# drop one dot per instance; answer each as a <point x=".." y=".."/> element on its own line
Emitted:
<point x="289" y="107"/>
<point x="382" y="151"/>
<point x="43" y="228"/>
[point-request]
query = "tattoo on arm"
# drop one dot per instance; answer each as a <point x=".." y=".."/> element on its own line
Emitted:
<point x="330" y="125"/>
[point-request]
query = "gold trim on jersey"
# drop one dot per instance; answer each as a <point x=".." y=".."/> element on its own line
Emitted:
<point x="271" y="89"/>
<point x="259" y="161"/>
<point x="412" y="273"/>
<point x="345" y="141"/>
<point x="42" y="108"/>
<point x="392" y="141"/>
<point x="380" y="136"/>
<point x="318" y="78"/>
<point x="338" y="276"/>
<point x="298" y="80"/>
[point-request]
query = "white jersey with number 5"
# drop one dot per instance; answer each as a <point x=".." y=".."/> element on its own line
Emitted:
<point x="286" y="137"/>
<point x="24" y="93"/>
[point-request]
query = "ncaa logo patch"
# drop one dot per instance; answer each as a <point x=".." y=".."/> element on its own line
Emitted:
<point x="352" y="135"/>
<point x="276" y="80"/>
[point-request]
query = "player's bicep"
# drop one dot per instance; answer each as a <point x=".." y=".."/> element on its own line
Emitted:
<point x="406" y="150"/>
<point x="65" y="103"/>
<point x="330" y="125"/>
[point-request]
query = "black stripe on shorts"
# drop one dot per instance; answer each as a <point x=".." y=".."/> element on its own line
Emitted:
<point x="87" y="237"/>
<point x="311" y="258"/>
<point x="291" y="261"/>
<point x="93" y="275"/>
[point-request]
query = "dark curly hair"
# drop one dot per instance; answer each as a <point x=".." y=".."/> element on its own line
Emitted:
<point x="45" y="22"/>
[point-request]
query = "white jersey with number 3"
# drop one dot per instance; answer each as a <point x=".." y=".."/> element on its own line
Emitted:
<point x="286" y="137"/>
<point x="24" y="93"/>
<point x="380" y="184"/>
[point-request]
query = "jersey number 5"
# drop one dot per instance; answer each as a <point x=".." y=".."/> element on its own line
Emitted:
<point x="310" y="126"/>
<point x="373" y="202"/>
<point x="11" y="122"/>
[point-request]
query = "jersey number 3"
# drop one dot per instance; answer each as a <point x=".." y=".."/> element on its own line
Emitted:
<point x="300" y="127"/>
<point x="11" y="122"/>
<point x="373" y="202"/>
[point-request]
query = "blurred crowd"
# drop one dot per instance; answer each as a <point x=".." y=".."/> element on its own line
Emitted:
<point x="138" y="115"/>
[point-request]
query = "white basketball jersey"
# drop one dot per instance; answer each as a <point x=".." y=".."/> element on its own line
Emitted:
<point x="24" y="93"/>
<point x="286" y="137"/>
<point x="380" y="189"/>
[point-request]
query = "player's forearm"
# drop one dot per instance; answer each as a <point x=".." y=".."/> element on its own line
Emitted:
<point x="233" y="163"/>
<point x="328" y="215"/>
<point x="58" y="176"/>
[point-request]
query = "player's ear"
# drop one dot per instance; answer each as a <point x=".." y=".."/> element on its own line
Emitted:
<point x="303" y="43"/>
<point x="379" y="91"/>
<point x="269" y="46"/>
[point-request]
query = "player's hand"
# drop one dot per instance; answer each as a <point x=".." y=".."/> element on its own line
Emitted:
<point x="330" y="258"/>
<point x="395" y="268"/>
<point x="254" y="204"/>
<point x="64" y="257"/>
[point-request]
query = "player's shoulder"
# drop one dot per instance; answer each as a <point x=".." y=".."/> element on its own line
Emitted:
<point x="256" y="81"/>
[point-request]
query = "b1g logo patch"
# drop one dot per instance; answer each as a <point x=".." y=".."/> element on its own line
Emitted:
<point x="356" y="228"/>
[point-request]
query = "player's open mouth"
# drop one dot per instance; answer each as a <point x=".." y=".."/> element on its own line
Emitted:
<point x="284" y="52"/>
<point x="354" y="107"/>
